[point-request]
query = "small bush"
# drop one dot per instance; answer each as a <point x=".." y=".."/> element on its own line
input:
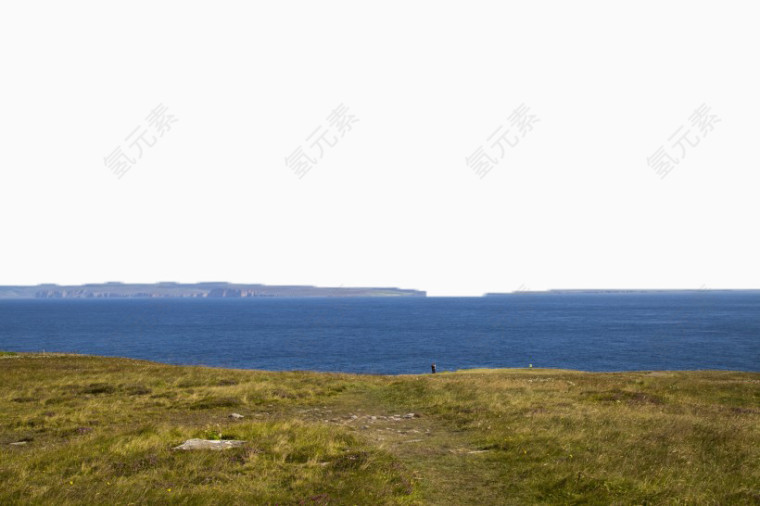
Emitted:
<point x="97" y="389"/>
<point x="215" y="402"/>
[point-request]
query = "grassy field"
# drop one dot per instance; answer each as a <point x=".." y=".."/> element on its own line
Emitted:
<point x="102" y="431"/>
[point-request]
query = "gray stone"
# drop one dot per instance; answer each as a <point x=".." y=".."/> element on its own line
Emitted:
<point x="236" y="416"/>
<point x="209" y="444"/>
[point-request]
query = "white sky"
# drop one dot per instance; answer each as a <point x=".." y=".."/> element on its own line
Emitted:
<point x="393" y="203"/>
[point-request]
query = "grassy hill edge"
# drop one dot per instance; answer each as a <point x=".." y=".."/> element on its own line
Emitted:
<point x="102" y="430"/>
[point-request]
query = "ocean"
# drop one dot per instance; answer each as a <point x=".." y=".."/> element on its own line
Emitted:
<point x="400" y="335"/>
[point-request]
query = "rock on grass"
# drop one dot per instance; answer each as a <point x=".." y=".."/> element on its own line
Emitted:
<point x="209" y="444"/>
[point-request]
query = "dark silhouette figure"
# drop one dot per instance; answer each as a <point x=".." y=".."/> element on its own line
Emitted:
<point x="433" y="367"/>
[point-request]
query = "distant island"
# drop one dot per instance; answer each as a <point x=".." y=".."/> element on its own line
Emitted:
<point x="616" y="291"/>
<point x="221" y="289"/>
<point x="193" y="290"/>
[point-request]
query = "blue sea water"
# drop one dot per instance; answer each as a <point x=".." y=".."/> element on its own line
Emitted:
<point x="586" y="331"/>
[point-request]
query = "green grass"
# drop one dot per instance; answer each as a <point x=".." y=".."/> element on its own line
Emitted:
<point x="101" y="430"/>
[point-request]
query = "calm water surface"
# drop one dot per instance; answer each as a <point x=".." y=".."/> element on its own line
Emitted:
<point x="593" y="332"/>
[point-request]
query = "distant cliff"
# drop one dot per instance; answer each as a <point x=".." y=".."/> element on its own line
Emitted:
<point x="193" y="290"/>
